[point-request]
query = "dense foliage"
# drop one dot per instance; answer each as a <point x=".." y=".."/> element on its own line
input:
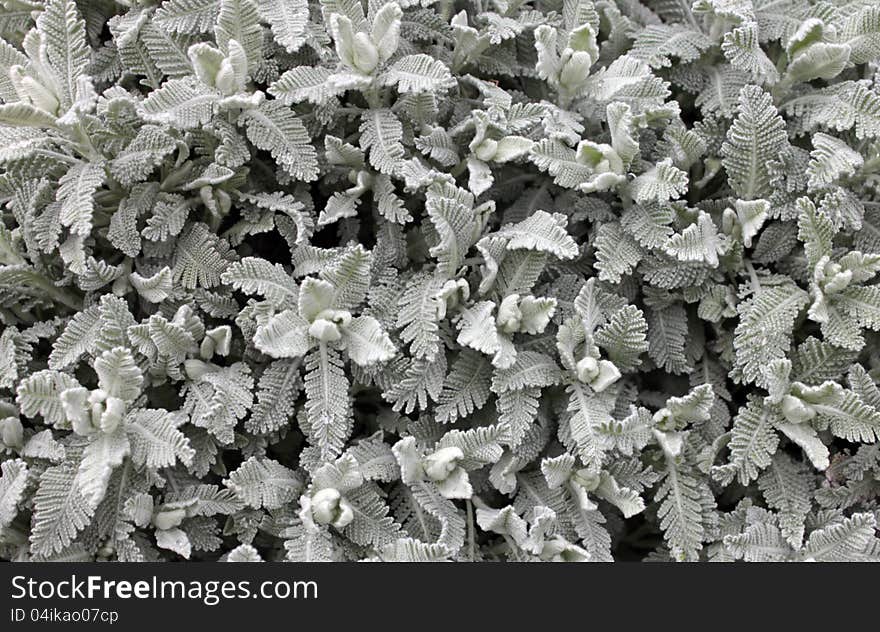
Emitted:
<point x="533" y="280"/>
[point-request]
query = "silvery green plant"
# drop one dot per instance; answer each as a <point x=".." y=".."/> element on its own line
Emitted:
<point x="471" y="280"/>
